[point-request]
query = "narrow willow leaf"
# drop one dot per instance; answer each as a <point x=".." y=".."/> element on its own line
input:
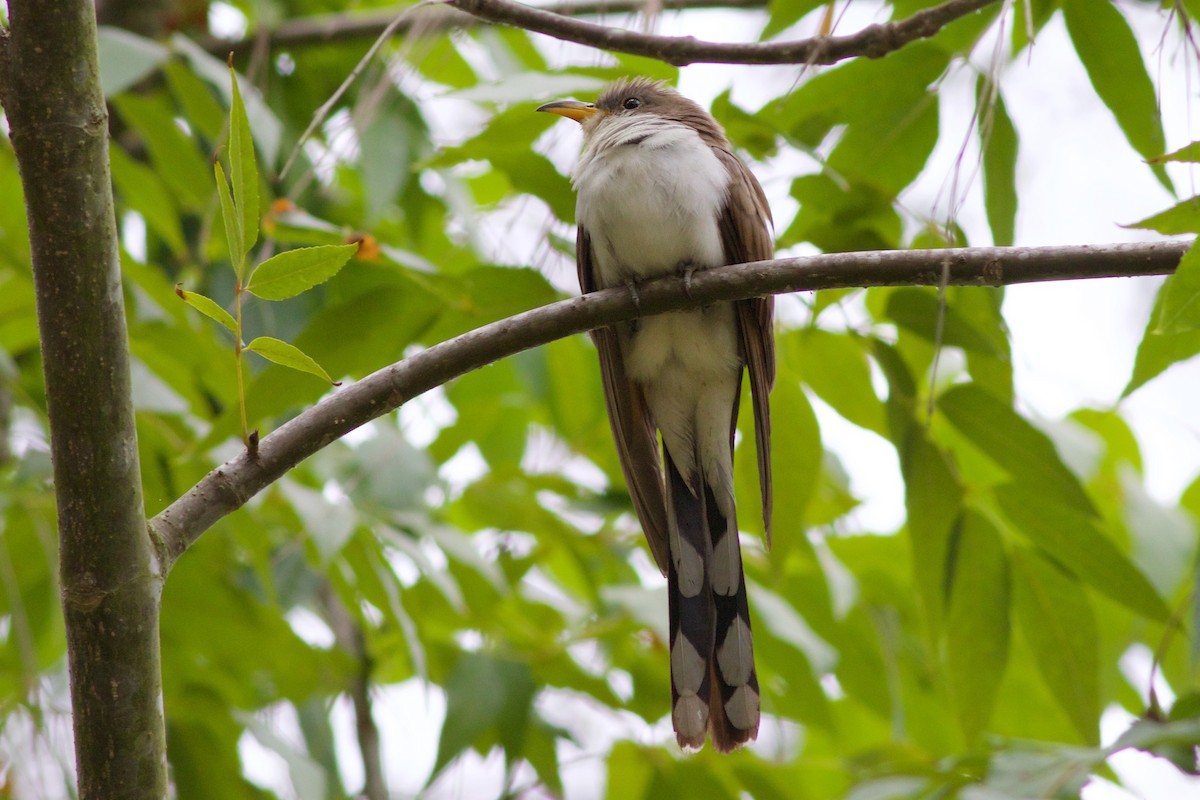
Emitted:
<point x="207" y="307"/>
<point x="233" y="224"/>
<point x="1057" y="621"/>
<point x="1026" y="453"/>
<point x="174" y="154"/>
<point x="977" y="624"/>
<point x="289" y="273"/>
<point x="1109" y="52"/>
<point x="126" y="58"/>
<point x="1076" y="542"/>
<point x="1183" y="217"/>
<point x="1189" y="153"/>
<point x="999" y="143"/>
<point x="1157" y="351"/>
<point x="933" y="499"/>
<point x="144" y="191"/>
<point x="243" y="168"/>
<point x="1181" y="296"/>
<point x="287" y="355"/>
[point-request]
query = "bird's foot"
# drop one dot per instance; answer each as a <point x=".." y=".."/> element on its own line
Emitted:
<point x="689" y="270"/>
<point x="631" y="285"/>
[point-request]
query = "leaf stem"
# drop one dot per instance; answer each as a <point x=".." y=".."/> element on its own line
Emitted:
<point x="237" y="355"/>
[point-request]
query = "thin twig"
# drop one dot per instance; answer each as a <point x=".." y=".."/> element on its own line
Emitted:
<point x="872" y="41"/>
<point x="321" y="113"/>
<point x="335" y="28"/>
<point x="229" y="486"/>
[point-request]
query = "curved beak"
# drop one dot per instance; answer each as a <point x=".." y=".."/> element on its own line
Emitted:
<point x="571" y="109"/>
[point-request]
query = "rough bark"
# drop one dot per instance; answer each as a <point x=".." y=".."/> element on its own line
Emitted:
<point x="111" y="580"/>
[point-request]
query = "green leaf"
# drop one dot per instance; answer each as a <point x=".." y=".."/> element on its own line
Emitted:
<point x="835" y="366"/>
<point x="386" y="143"/>
<point x="287" y="355"/>
<point x="1075" y="541"/>
<point x="1189" y="153"/>
<point x="837" y="217"/>
<point x="933" y="500"/>
<point x="289" y="273"/>
<point x="487" y="698"/>
<point x="795" y="457"/>
<point x="1057" y="621"/>
<point x="233" y="222"/>
<point x="176" y="158"/>
<point x="126" y="58"/>
<point x="629" y="772"/>
<point x="1180" y="310"/>
<point x="977" y="624"/>
<point x="786" y="13"/>
<point x="197" y="99"/>
<point x="216" y="72"/>
<point x="918" y="310"/>
<point x="1159" y="350"/>
<point x="1183" y="217"/>
<point x="243" y="168"/>
<point x="999" y="143"/>
<point x="1011" y="442"/>
<point x="747" y="131"/>
<point x="507" y="143"/>
<point x="144" y="192"/>
<point x="890" y="157"/>
<point x="1109" y="52"/>
<point x="207" y="307"/>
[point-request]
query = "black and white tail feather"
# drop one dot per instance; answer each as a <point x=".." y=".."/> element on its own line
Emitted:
<point x="714" y="686"/>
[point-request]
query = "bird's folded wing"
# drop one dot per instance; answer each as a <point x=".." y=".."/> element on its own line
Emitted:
<point x="632" y="427"/>
<point x="745" y="225"/>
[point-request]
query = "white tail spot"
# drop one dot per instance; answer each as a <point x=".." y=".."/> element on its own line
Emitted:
<point x="736" y="656"/>
<point x="687" y="666"/>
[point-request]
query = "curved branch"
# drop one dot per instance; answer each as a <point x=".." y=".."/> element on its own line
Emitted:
<point x="872" y="41"/>
<point x="333" y="28"/>
<point x="229" y="486"/>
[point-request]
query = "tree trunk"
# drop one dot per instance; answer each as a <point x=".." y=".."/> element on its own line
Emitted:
<point x="111" y="579"/>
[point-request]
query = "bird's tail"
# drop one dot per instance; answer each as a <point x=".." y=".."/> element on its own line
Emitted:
<point x="714" y="686"/>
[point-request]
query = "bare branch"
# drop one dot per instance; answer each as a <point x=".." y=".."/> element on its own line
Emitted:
<point x="349" y="636"/>
<point x="229" y="486"/>
<point x="872" y="41"/>
<point x="334" y="28"/>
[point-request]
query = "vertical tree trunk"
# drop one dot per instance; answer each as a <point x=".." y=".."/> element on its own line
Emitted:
<point x="111" y="580"/>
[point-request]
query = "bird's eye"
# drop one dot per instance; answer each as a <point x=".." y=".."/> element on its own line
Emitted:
<point x="632" y="103"/>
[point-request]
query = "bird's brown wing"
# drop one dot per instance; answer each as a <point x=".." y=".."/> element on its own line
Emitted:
<point x="632" y="428"/>
<point x="745" y="225"/>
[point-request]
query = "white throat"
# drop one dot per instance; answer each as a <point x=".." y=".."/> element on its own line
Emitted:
<point x="649" y="192"/>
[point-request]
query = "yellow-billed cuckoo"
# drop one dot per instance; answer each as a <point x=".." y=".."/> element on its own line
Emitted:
<point x="660" y="192"/>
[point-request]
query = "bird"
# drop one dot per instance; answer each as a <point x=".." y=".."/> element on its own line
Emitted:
<point x="660" y="192"/>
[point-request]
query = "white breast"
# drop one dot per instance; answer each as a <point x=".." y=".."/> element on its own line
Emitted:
<point x="649" y="194"/>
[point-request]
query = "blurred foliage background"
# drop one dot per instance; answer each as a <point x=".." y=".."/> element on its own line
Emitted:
<point x="469" y="572"/>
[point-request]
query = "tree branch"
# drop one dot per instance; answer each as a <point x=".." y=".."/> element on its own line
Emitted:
<point x="229" y="486"/>
<point x="111" y="578"/>
<point x="333" y="28"/>
<point x="872" y="41"/>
